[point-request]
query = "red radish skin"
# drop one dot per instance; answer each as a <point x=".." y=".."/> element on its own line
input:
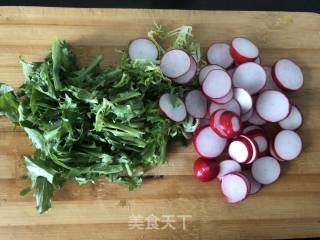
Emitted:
<point x="215" y="123"/>
<point x="232" y="106"/>
<point x="205" y="70"/>
<point x="293" y="121"/>
<point x="205" y="169"/>
<point x="249" y="76"/>
<point x="225" y="99"/>
<point x="272" y="152"/>
<point x="217" y="84"/>
<point x="254" y="147"/>
<point x="207" y="143"/>
<point x="241" y="150"/>
<point x="260" y="138"/>
<point x="243" y="98"/>
<point x="219" y="53"/>
<point x="226" y="124"/>
<point x="287" y="75"/>
<point x="196" y="104"/>
<point x="235" y="187"/>
<point x="254" y="185"/>
<point x="243" y="50"/>
<point x="270" y="84"/>
<point x="188" y="76"/>
<point x="272" y="106"/>
<point x="177" y="114"/>
<point x="287" y="145"/>
<point x="142" y="48"/>
<point x="266" y="170"/>
<point x="228" y="166"/>
<point x="175" y="63"/>
<point x="241" y="174"/>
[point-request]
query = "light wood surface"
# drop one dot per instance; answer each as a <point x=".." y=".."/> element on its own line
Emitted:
<point x="289" y="208"/>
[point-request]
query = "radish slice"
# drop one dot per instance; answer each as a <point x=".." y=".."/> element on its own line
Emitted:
<point x="293" y="121"/>
<point x="244" y="99"/>
<point x="225" y="99"/>
<point x="258" y="60"/>
<point x="245" y="117"/>
<point x="287" y="145"/>
<point x="187" y="77"/>
<point x="176" y="113"/>
<point x="235" y="187"/>
<point x="243" y="50"/>
<point x="225" y="123"/>
<point x="254" y="185"/>
<point x="250" y="128"/>
<point x="266" y="170"/>
<point x="228" y="166"/>
<point x="208" y="144"/>
<point x="240" y="150"/>
<point x="196" y="104"/>
<point x="270" y="84"/>
<point x="260" y="138"/>
<point x="175" y="63"/>
<point x="215" y="123"/>
<point x="249" y="76"/>
<point x="232" y="106"/>
<point x="254" y="147"/>
<point x="255" y="119"/>
<point x="272" y="106"/>
<point x="143" y="48"/>
<point x="219" y="53"/>
<point x="205" y="70"/>
<point x="217" y="84"/>
<point x="272" y="152"/>
<point x="287" y="75"/>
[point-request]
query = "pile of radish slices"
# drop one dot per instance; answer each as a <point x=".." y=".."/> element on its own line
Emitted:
<point x="236" y="97"/>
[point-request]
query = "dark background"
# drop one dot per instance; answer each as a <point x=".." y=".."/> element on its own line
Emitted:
<point x="260" y="5"/>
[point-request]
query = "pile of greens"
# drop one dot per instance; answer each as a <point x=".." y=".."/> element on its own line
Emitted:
<point x="93" y="121"/>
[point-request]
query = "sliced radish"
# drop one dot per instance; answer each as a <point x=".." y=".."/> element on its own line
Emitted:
<point x="232" y="106"/>
<point x="260" y="137"/>
<point x="287" y="75"/>
<point x="206" y="69"/>
<point x="228" y="166"/>
<point x="219" y="53"/>
<point x="217" y="84"/>
<point x="176" y="113"/>
<point x="270" y="84"/>
<point x="272" y="106"/>
<point x="266" y="170"/>
<point x="250" y="128"/>
<point x="244" y="99"/>
<point x="243" y="50"/>
<point x="235" y="187"/>
<point x="287" y="145"/>
<point x="187" y="77"/>
<point x="245" y="117"/>
<point x="255" y="149"/>
<point x="256" y="119"/>
<point x="143" y="48"/>
<point x="205" y="169"/>
<point x="272" y="152"/>
<point x="208" y="144"/>
<point x="225" y="99"/>
<point x="249" y="76"/>
<point x="254" y="185"/>
<point x="240" y="150"/>
<point x="175" y="63"/>
<point x="293" y="121"/>
<point x="196" y="104"/>
<point x="225" y="123"/>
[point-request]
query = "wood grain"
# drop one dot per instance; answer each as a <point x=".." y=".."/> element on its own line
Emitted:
<point x="287" y="209"/>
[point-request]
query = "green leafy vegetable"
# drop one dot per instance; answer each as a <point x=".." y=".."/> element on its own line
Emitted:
<point x="92" y="121"/>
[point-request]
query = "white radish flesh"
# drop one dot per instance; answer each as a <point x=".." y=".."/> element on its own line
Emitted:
<point x="228" y="166"/>
<point x="219" y="53"/>
<point x="176" y="113"/>
<point x="249" y="76"/>
<point x="293" y="121"/>
<point x="272" y="106"/>
<point x="225" y="99"/>
<point x="217" y="84"/>
<point x="196" y="104"/>
<point x="175" y="63"/>
<point x="272" y="152"/>
<point x="245" y="117"/>
<point x="232" y="106"/>
<point x="187" y="77"/>
<point x="144" y="49"/>
<point x="225" y="123"/>
<point x="250" y="128"/>
<point x="287" y="145"/>
<point x="235" y="187"/>
<point x="254" y="185"/>
<point x="243" y="50"/>
<point x="266" y="170"/>
<point x="260" y="138"/>
<point x="243" y="98"/>
<point x="287" y="75"/>
<point x="240" y="150"/>
<point x="256" y="119"/>
<point x="208" y="144"/>
<point x="205" y="70"/>
<point x="254" y="149"/>
<point x="270" y="84"/>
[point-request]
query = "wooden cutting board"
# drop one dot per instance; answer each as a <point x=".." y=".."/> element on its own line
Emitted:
<point x="289" y="208"/>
